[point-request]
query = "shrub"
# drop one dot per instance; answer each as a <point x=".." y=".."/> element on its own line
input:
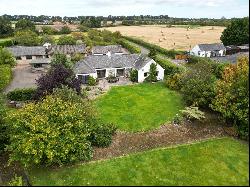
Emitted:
<point x="6" y="43"/>
<point x="24" y="94"/>
<point x="66" y="40"/>
<point x="6" y="57"/>
<point x="55" y="130"/>
<point x="4" y="134"/>
<point x="232" y="95"/>
<point x="130" y="47"/>
<point x="152" y="73"/>
<point x="198" y="85"/>
<point x="46" y="38"/>
<point x="92" y="81"/>
<point x="178" y="119"/>
<point x="152" y="53"/>
<point x="193" y="113"/>
<point x="49" y="30"/>
<point x="56" y="77"/>
<point x="65" y="30"/>
<point x="133" y="75"/>
<point x="77" y="57"/>
<point x="5" y="76"/>
<point x="16" y="181"/>
<point x="102" y="135"/>
<point x="26" y="38"/>
<point x="174" y="81"/>
<point x="59" y="58"/>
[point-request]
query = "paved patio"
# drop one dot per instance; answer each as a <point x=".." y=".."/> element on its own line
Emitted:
<point x="103" y="86"/>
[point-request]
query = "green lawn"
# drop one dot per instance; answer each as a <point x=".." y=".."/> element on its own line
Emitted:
<point x="213" y="162"/>
<point x="139" y="107"/>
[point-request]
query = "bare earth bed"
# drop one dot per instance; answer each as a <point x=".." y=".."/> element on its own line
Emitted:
<point x="167" y="135"/>
<point x="178" y="35"/>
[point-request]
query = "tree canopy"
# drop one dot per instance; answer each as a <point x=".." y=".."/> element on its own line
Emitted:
<point x="232" y="95"/>
<point x="26" y="38"/>
<point x="236" y="33"/>
<point x="5" y="27"/>
<point x="24" y="24"/>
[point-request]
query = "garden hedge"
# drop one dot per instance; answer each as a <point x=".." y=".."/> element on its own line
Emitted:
<point x="6" y="43"/>
<point x="168" y="53"/>
<point x="170" y="68"/>
<point x="131" y="48"/>
<point x="24" y="94"/>
<point x="5" y="75"/>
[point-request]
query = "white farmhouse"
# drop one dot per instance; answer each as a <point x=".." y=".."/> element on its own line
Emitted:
<point x="117" y="65"/>
<point x="209" y="50"/>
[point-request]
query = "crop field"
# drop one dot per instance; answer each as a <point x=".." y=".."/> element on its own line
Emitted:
<point x="176" y="37"/>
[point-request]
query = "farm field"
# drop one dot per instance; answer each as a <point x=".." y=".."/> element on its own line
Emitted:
<point x="139" y="107"/>
<point x="212" y="162"/>
<point x="179" y="35"/>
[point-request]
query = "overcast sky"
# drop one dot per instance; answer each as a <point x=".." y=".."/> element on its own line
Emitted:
<point x="173" y="8"/>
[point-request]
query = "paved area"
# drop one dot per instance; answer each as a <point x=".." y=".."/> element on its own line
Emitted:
<point x="22" y="77"/>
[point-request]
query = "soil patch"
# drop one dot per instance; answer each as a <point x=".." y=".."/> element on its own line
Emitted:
<point x="167" y="135"/>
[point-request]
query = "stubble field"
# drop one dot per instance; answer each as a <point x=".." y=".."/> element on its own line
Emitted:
<point x="175" y="37"/>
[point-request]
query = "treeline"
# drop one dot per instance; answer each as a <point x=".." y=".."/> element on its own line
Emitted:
<point x="126" y="20"/>
<point x="209" y="22"/>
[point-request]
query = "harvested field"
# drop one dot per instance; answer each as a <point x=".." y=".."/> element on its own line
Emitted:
<point x="176" y="37"/>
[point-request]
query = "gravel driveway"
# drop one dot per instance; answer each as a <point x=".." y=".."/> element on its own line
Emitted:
<point x="22" y="77"/>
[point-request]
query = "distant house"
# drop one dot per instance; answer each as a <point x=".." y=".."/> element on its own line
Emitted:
<point x="28" y="53"/>
<point x="116" y="65"/>
<point x="46" y="51"/>
<point x="112" y="49"/>
<point x="209" y="50"/>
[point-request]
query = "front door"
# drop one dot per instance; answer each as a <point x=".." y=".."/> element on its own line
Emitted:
<point x="101" y="73"/>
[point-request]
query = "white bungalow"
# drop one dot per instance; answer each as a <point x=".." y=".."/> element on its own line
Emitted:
<point x="117" y="65"/>
<point x="209" y="50"/>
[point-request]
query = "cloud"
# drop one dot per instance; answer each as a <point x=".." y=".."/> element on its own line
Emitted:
<point x="177" y="8"/>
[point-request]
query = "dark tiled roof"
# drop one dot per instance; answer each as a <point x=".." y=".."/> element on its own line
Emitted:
<point x="211" y="47"/>
<point x="141" y="62"/>
<point x="82" y="67"/>
<point x="104" y="49"/>
<point x="90" y="63"/>
<point x="40" y="61"/>
<point x="67" y="49"/>
<point x="230" y="58"/>
<point x="24" y="50"/>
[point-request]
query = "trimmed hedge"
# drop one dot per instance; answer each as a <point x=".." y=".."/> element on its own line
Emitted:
<point x="24" y="94"/>
<point x="130" y="47"/>
<point x="6" y="43"/>
<point x="168" y="53"/>
<point x="170" y="68"/>
<point x="5" y="75"/>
